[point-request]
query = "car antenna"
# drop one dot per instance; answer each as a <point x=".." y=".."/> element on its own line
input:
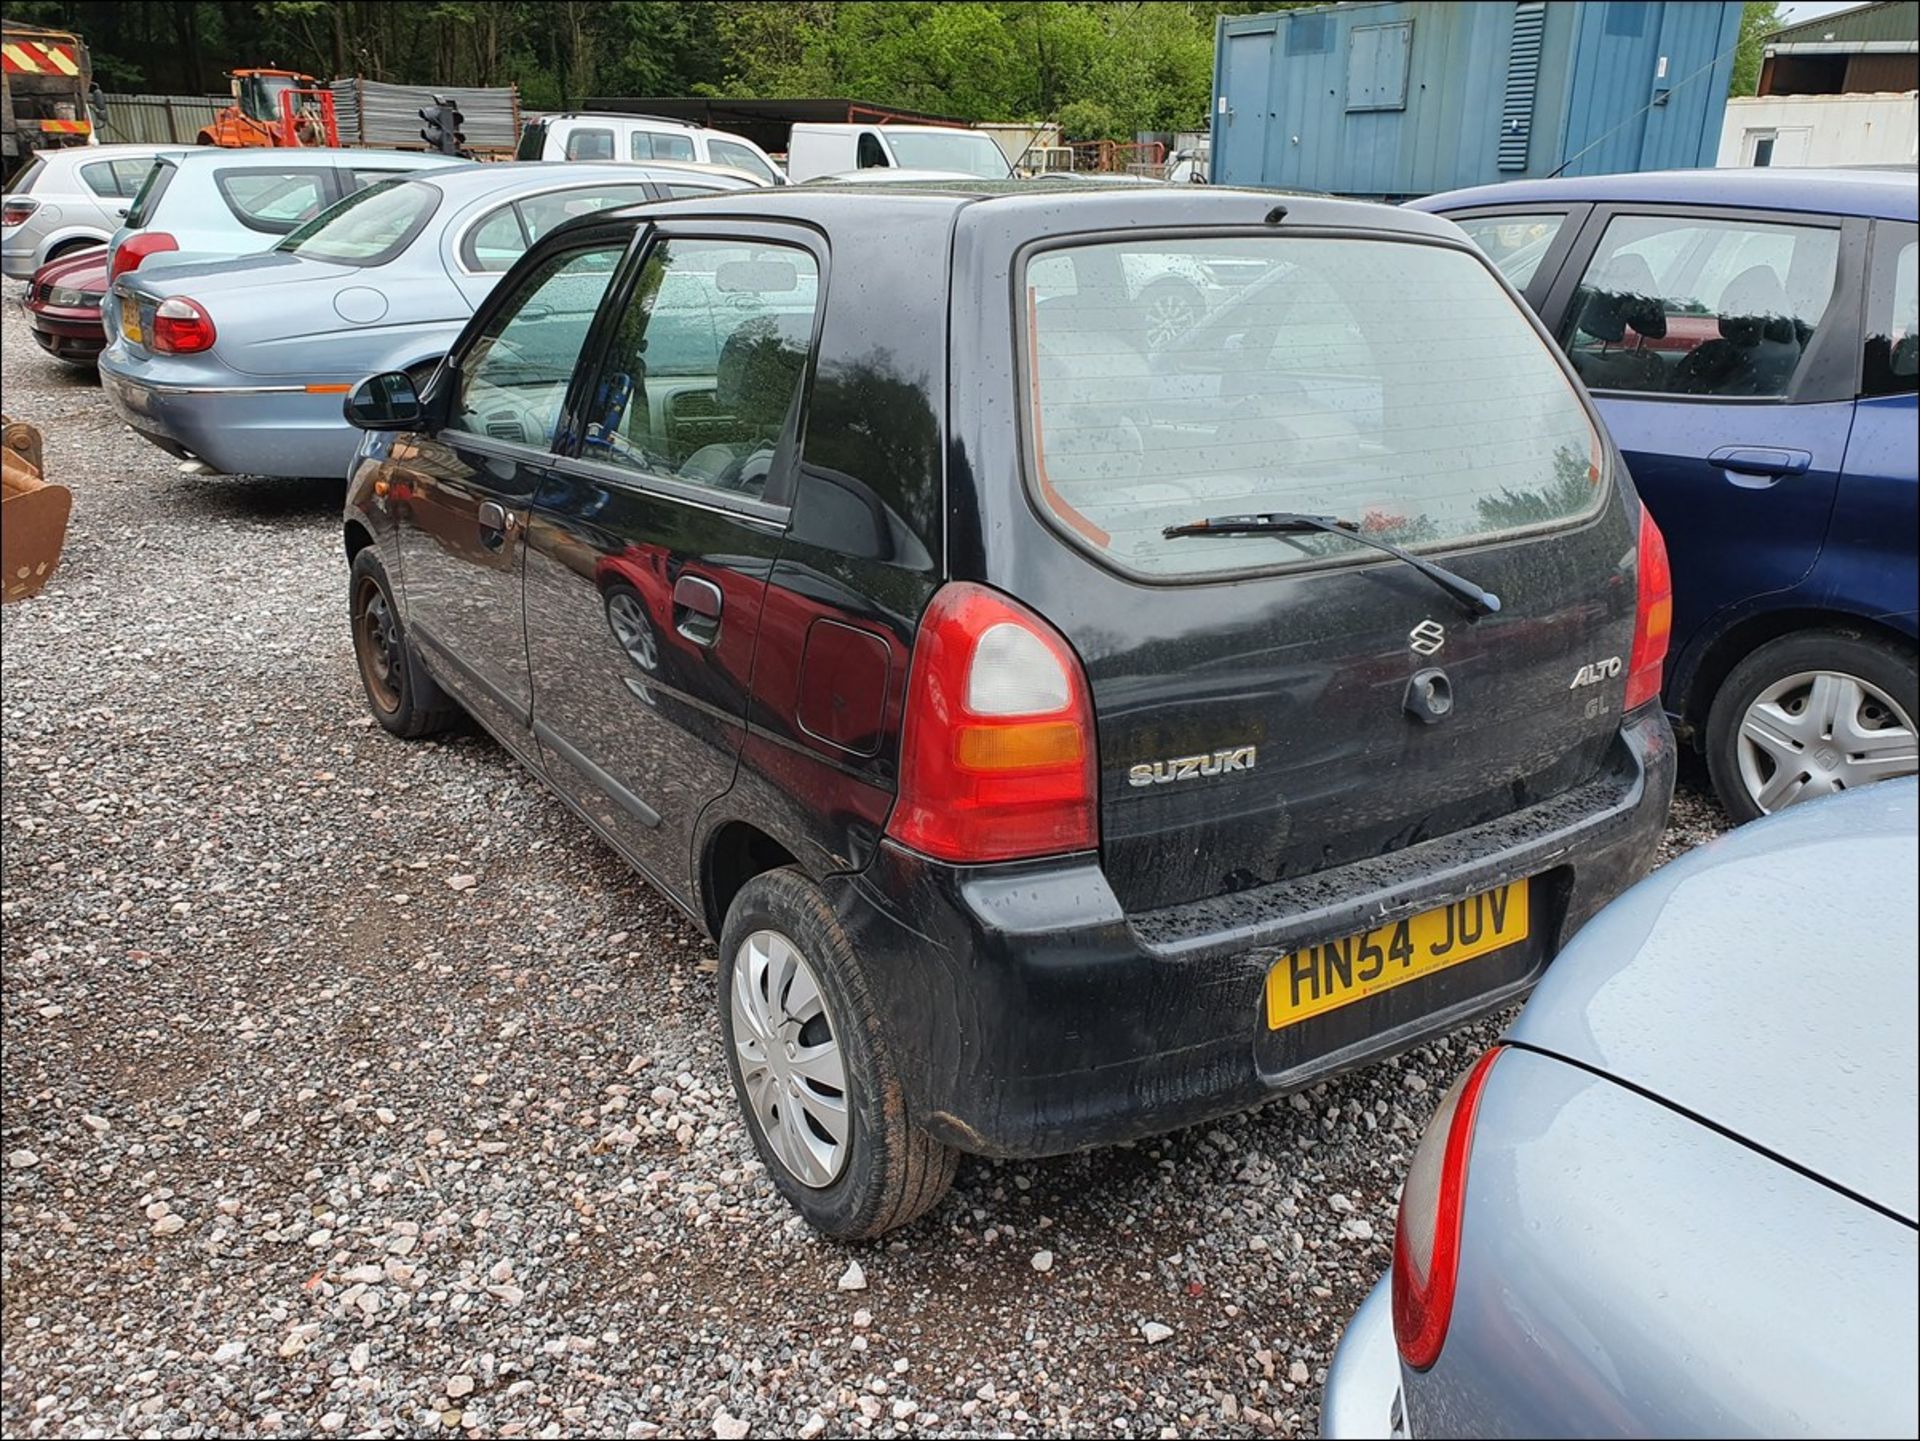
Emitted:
<point x="1276" y="215"/>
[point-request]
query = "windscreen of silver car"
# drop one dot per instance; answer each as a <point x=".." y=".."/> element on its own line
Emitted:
<point x="1758" y="346"/>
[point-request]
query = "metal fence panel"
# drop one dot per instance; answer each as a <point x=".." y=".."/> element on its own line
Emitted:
<point x="370" y="112"/>
<point x="159" y="119"/>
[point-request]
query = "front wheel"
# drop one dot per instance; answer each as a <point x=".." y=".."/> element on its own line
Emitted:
<point x="812" y="1070"/>
<point x="1810" y="714"/>
<point x="400" y="693"/>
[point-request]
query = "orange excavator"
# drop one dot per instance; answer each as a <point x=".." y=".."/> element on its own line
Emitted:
<point x="274" y="107"/>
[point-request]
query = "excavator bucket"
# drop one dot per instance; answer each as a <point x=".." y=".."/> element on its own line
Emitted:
<point x="33" y="515"/>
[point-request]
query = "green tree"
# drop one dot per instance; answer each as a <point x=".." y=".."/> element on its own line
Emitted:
<point x="1757" y="22"/>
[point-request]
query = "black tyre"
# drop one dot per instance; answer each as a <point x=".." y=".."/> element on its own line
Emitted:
<point x="1808" y="714"/>
<point x="403" y="697"/>
<point x="812" y="1069"/>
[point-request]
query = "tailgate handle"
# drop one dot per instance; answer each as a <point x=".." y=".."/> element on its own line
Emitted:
<point x="696" y="609"/>
<point x="1745" y="464"/>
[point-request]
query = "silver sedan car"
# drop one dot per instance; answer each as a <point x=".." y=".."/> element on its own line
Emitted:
<point x="1680" y="1199"/>
<point x="241" y="364"/>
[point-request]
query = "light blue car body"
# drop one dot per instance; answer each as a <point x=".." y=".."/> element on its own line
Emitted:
<point x="1691" y="1199"/>
<point x="292" y="333"/>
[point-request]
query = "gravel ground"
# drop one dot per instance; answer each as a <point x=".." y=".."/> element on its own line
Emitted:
<point x="352" y="1087"/>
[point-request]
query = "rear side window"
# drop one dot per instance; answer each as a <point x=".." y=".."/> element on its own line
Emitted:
<point x="1516" y="244"/>
<point x="499" y="240"/>
<point x="727" y="152"/>
<point x="661" y="145"/>
<point x="533" y="141"/>
<point x="273" y="200"/>
<point x="115" y="179"/>
<point x="1391" y="384"/>
<point x="1672" y="305"/>
<point x="151" y="189"/>
<point x="590" y="145"/>
<point x="1893" y="312"/>
<point x="369" y="227"/>
<point x="707" y="364"/>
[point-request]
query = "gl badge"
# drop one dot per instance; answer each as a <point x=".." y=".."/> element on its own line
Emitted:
<point x="1427" y="637"/>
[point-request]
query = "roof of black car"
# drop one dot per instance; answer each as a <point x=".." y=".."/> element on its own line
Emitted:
<point x="1104" y="203"/>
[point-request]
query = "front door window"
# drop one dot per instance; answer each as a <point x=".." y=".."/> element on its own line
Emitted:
<point x="513" y="380"/>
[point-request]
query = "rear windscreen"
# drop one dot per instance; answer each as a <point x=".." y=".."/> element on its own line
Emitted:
<point x="22" y="183"/>
<point x="1390" y="384"/>
<point x="369" y="227"/>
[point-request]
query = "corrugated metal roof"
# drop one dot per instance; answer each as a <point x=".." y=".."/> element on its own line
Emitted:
<point x="1886" y="20"/>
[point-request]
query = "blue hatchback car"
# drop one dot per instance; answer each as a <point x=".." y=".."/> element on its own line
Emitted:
<point x="1751" y="338"/>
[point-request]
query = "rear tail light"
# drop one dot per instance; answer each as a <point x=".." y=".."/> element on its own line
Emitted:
<point x="181" y="327"/>
<point x="16" y="209"/>
<point x="1653" y="615"/>
<point x="997" y="755"/>
<point x="1426" y="1242"/>
<point x="136" y="248"/>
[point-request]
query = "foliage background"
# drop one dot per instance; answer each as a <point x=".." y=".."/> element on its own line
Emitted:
<point x="1104" y="70"/>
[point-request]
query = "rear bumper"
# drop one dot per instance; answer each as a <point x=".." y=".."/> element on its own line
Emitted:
<point x="1362" y="1395"/>
<point x="272" y="430"/>
<point x="1029" y="1015"/>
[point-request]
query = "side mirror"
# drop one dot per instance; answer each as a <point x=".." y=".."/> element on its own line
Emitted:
<point x="386" y="402"/>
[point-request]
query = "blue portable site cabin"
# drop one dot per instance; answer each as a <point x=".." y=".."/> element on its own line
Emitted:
<point x="1403" y="99"/>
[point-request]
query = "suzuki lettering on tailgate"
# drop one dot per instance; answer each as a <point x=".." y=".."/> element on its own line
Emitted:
<point x="1186" y="768"/>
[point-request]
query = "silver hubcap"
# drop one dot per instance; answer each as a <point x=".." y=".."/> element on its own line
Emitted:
<point x="789" y="1054"/>
<point x="1819" y="732"/>
<point x="1168" y="318"/>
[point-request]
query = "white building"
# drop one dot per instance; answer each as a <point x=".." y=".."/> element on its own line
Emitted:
<point x="1821" y="130"/>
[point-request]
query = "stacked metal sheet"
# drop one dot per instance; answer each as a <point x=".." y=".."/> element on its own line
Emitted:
<point x="370" y="112"/>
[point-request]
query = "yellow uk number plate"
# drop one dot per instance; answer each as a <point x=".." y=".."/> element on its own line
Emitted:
<point x="130" y="324"/>
<point x="1320" y="978"/>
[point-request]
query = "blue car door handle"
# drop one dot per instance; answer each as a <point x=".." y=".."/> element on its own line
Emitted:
<point x="1746" y="464"/>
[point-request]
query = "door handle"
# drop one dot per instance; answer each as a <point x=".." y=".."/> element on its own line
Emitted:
<point x="1758" y="466"/>
<point x="495" y="521"/>
<point x="696" y="609"/>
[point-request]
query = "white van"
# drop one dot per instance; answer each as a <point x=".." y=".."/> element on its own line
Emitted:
<point x="642" y="137"/>
<point x="817" y="150"/>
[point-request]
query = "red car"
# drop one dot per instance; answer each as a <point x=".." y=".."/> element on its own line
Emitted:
<point x="63" y="306"/>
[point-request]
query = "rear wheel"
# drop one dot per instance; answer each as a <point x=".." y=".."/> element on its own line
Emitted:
<point x="1810" y="714"/>
<point x="403" y="697"/>
<point x="811" y="1067"/>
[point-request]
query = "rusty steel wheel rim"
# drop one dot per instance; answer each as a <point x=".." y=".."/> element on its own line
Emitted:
<point x="376" y="637"/>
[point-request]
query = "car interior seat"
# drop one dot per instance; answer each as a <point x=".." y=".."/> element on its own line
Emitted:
<point x="1624" y="298"/>
<point x="1758" y="346"/>
<point x="755" y="376"/>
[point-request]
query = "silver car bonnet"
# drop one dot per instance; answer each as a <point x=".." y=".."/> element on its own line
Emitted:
<point x="1767" y="983"/>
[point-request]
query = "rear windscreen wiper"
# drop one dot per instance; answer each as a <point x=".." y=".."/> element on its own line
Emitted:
<point x="1289" y="522"/>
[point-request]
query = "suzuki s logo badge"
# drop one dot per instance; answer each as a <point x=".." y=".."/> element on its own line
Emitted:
<point x="1187" y="768"/>
<point x="1596" y="671"/>
<point x="1427" y="637"/>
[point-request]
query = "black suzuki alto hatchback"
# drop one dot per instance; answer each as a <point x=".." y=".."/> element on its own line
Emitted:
<point x="1069" y="726"/>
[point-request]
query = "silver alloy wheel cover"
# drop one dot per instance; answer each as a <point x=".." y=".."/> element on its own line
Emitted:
<point x="1168" y="318"/>
<point x="795" y="1089"/>
<point x="1846" y="733"/>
